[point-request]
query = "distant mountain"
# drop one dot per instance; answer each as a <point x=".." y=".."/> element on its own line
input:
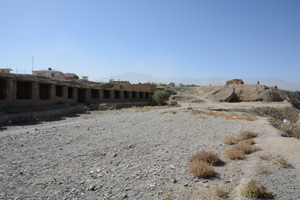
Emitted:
<point x="145" y="78"/>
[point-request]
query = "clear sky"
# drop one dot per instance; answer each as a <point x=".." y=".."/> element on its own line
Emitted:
<point x="180" y="38"/>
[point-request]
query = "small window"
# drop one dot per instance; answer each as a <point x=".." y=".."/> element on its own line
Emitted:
<point x="52" y="74"/>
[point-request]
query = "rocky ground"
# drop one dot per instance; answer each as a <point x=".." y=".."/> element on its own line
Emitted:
<point x="138" y="153"/>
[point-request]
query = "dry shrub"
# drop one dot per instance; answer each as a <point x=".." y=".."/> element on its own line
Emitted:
<point x="234" y="153"/>
<point x="241" y="117"/>
<point x="197" y="112"/>
<point x="280" y="161"/>
<point x="227" y="116"/>
<point x="221" y="192"/>
<point x="247" y="146"/>
<point x="208" y="157"/>
<point x="247" y="135"/>
<point x="237" y="152"/>
<point x="265" y="157"/>
<point x="201" y="169"/>
<point x="252" y="190"/>
<point x="248" y="142"/>
<point x="230" y="140"/>
<point x="292" y="129"/>
<point x="263" y="171"/>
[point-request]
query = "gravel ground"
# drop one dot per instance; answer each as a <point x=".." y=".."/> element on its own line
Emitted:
<point x="123" y="154"/>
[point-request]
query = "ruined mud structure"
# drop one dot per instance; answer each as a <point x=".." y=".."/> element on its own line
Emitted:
<point x="20" y="90"/>
<point x="235" y="82"/>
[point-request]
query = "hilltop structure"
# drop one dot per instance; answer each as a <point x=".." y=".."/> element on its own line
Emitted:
<point x="235" y="82"/>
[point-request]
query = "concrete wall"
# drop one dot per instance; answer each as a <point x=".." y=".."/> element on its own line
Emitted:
<point x="26" y="90"/>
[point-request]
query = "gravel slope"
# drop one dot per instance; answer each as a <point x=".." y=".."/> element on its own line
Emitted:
<point x="124" y="154"/>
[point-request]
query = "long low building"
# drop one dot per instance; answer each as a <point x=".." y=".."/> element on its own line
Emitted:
<point x="22" y="90"/>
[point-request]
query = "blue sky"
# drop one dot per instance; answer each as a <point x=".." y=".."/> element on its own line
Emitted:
<point x="179" y="38"/>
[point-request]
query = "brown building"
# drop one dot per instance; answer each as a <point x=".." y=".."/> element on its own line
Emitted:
<point x="49" y="73"/>
<point x="119" y="82"/>
<point x="5" y="70"/>
<point x="20" y="90"/>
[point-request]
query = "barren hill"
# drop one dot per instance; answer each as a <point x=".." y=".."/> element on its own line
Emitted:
<point x="233" y="93"/>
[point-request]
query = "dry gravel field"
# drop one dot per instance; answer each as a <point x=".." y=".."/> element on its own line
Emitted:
<point x="141" y="153"/>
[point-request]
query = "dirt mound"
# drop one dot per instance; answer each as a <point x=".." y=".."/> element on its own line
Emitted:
<point x="187" y="98"/>
<point x="224" y="94"/>
<point x="253" y="92"/>
<point x="234" y="93"/>
<point x="256" y="92"/>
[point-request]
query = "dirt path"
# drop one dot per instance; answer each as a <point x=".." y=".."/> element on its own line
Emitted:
<point x="123" y="154"/>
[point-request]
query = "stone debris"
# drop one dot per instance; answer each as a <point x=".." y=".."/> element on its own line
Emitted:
<point x="121" y="161"/>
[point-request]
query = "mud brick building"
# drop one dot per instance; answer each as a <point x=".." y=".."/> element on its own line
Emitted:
<point x="22" y="90"/>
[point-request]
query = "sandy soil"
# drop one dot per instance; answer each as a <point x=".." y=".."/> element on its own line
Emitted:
<point x="135" y="153"/>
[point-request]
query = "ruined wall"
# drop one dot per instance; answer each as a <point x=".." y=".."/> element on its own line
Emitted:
<point x="26" y="90"/>
<point x="235" y="82"/>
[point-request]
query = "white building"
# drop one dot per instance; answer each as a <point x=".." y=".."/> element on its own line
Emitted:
<point x="49" y="73"/>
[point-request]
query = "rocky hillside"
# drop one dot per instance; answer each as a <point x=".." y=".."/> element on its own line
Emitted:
<point x="231" y="93"/>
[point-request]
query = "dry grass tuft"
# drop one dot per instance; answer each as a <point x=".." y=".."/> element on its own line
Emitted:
<point x="201" y="164"/>
<point x="169" y="112"/>
<point x="237" y="152"/>
<point x="169" y="197"/>
<point x="197" y="112"/>
<point x="230" y="140"/>
<point x="247" y="135"/>
<point x="292" y="129"/>
<point x="87" y="117"/>
<point x="265" y="157"/>
<point x="140" y="110"/>
<point x="280" y="161"/>
<point x="234" y="153"/>
<point x="248" y="142"/>
<point x="222" y="114"/>
<point x="221" y="192"/>
<point x="248" y="147"/>
<point x="263" y="171"/>
<point x="208" y="157"/>
<point x="252" y="190"/>
<point x="201" y="169"/>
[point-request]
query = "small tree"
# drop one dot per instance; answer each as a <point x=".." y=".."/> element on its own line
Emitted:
<point x="160" y="96"/>
<point x="171" y="84"/>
